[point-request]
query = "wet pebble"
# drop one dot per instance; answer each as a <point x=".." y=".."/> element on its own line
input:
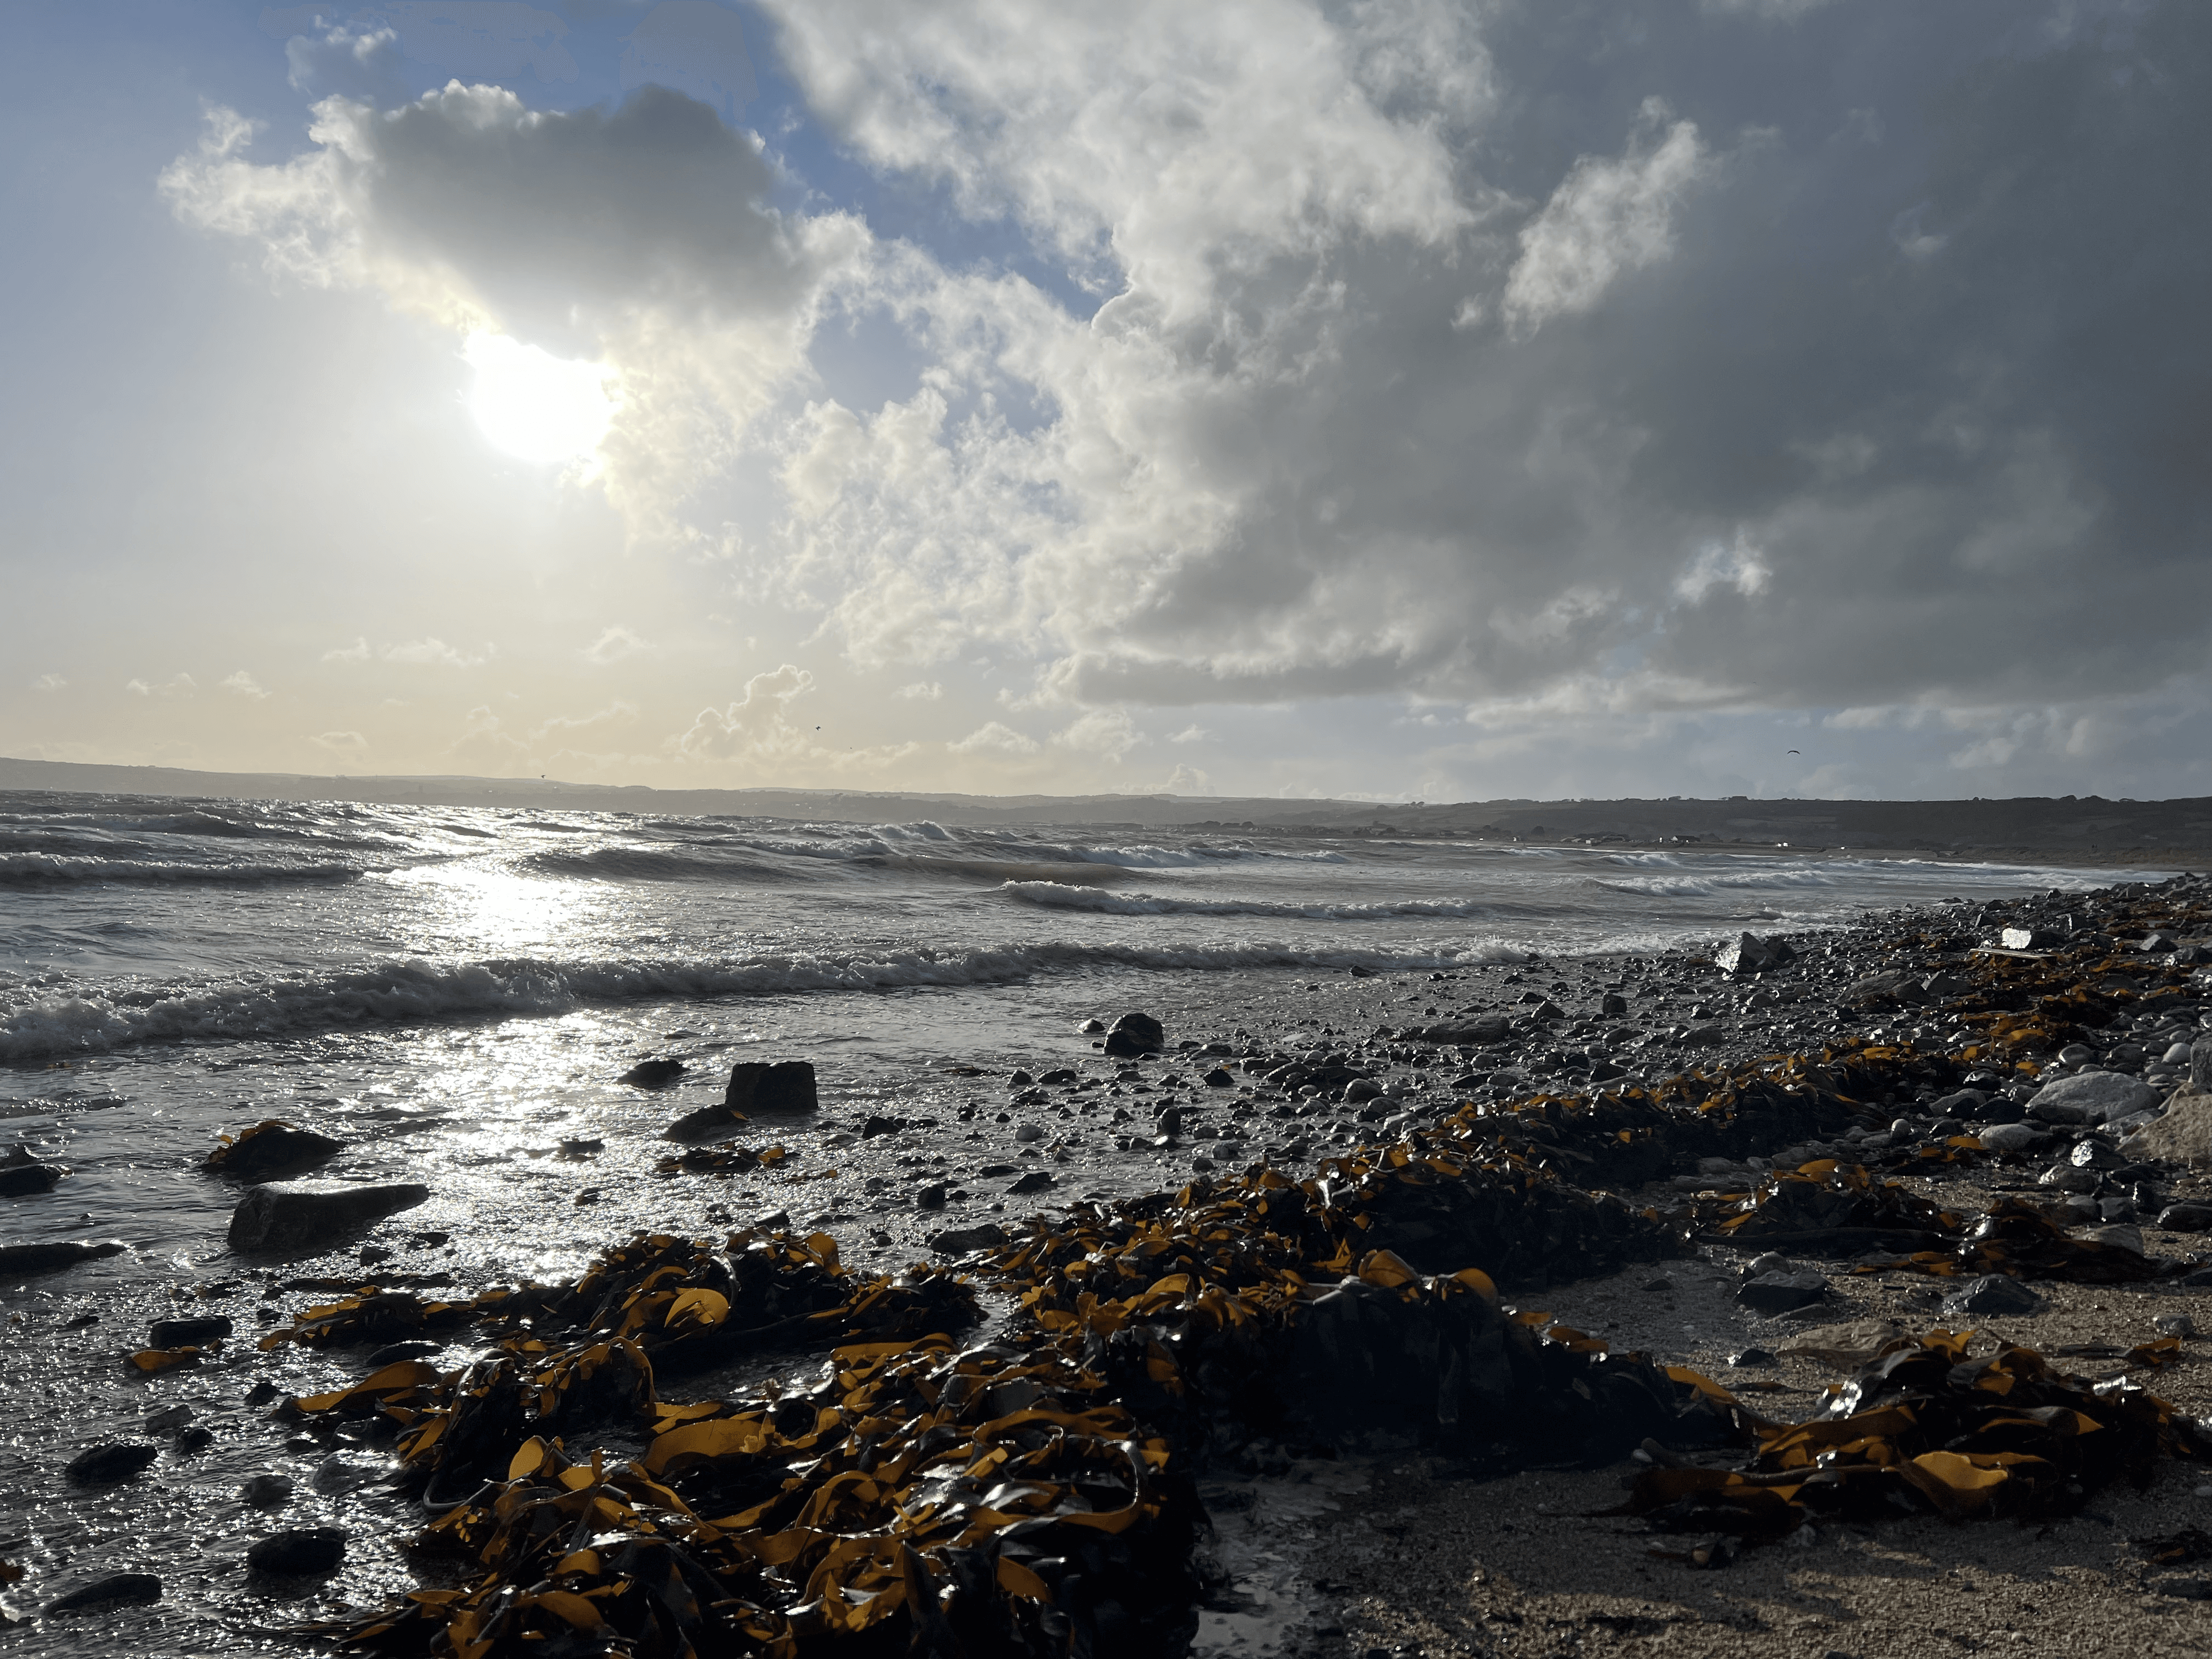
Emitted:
<point x="117" y="1590"/>
<point x="302" y="1551"/>
<point x="105" y="1465"/>
<point x="267" y="1490"/>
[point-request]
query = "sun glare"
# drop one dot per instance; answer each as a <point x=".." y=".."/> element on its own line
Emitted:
<point x="535" y="406"/>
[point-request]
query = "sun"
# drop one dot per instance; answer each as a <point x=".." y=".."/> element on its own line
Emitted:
<point x="536" y="406"/>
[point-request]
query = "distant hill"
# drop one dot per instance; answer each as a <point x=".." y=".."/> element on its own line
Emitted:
<point x="2066" y="830"/>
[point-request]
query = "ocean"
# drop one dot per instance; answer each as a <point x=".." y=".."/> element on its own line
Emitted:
<point x="454" y="993"/>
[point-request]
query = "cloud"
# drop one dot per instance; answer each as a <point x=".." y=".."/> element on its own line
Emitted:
<point x="357" y="651"/>
<point x="48" y="683"/>
<point x="434" y="653"/>
<point x="485" y="744"/>
<point x="499" y="40"/>
<point x="1739" y="566"/>
<point x="346" y="746"/>
<point x="613" y="645"/>
<point x="758" y="726"/>
<point x="921" y="691"/>
<point x="363" y="62"/>
<point x="1109" y="733"/>
<point x="994" y="735"/>
<point x="180" y="685"/>
<point x="1184" y="780"/>
<point x="243" y="683"/>
<point x="1192" y="733"/>
<point x="616" y="715"/>
<point x="1607" y="218"/>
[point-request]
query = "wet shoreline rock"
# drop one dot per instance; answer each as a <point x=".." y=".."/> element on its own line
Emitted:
<point x="23" y="1174"/>
<point x="117" y="1590"/>
<point x="270" y="1147"/>
<point x="52" y="1257"/>
<point x="305" y="1218"/>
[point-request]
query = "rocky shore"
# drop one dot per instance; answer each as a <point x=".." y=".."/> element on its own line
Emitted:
<point x="1530" y="1273"/>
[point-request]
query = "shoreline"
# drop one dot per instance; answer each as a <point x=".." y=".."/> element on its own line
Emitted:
<point x="1674" y="987"/>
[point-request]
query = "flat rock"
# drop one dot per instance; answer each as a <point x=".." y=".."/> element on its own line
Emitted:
<point x="299" y="1553"/>
<point x="783" y="1085"/>
<point x="1781" y="1293"/>
<point x="105" y="1465"/>
<point x="2186" y="1218"/>
<point x="1992" y="1293"/>
<point x="1892" y="986"/>
<point x="2012" y="1137"/>
<point x="117" y="1590"/>
<point x="654" y="1073"/>
<point x="959" y="1241"/>
<point x="1484" y="1030"/>
<point x="189" y="1333"/>
<point x="1866" y="1336"/>
<point x="305" y="1217"/>
<point x="2183" y="1134"/>
<point x="2092" y="1097"/>
<point x="47" y="1258"/>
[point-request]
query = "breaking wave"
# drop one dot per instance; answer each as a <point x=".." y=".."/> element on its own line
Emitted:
<point x="32" y="870"/>
<point x="416" y="989"/>
<point x="1061" y="896"/>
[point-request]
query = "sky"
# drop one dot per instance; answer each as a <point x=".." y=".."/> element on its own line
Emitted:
<point x="1386" y="398"/>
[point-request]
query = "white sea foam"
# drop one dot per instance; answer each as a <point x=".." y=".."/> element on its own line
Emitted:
<point x="1061" y="896"/>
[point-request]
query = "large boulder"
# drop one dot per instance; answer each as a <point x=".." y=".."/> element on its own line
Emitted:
<point x="299" y="1217"/>
<point x="2092" y="1097"/>
<point x="2183" y="1134"/>
<point x="1484" y="1030"/>
<point x="270" y="1147"/>
<point x="785" y="1086"/>
<point x="1134" y="1035"/>
<point x="1749" y="954"/>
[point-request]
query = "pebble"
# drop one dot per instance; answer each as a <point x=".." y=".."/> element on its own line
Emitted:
<point x="267" y="1490"/>
<point x="300" y="1552"/>
<point x="105" y="1465"/>
<point x="118" y="1589"/>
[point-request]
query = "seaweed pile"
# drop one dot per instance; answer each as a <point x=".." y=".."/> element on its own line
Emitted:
<point x="1921" y="1427"/>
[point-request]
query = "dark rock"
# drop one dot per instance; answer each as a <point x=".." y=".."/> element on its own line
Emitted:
<point x="2031" y="938"/>
<point x="2186" y="1218"/>
<point x="297" y="1217"/>
<point x="2200" y="1065"/>
<point x="1753" y="1358"/>
<point x="197" y="1439"/>
<point x="1961" y="1103"/>
<point x="1746" y="954"/>
<point x="2155" y="943"/>
<point x="877" y="1125"/>
<point x="1781" y="1293"/>
<point x="786" y="1085"/>
<point x="303" y="1552"/>
<point x="119" y="1590"/>
<point x="1613" y="1003"/>
<point x="1891" y="986"/>
<point x="189" y="1333"/>
<point x="1992" y="1293"/>
<point x="1484" y="1030"/>
<point x="271" y="1147"/>
<point x="1170" y="1120"/>
<point x="103" y="1466"/>
<point x="1704" y="1037"/>
<point x="392" y="1353"/>
<point x="578" y="1147"/>
<point x="931" y="1197"/>
<point x="47" y="1258"/>
<point x="654" y="1073"/>
<point x="1219" y="1079"/>
<point x="1035" y="1182"/>
<point x="1136" y="1033"/>
<point x="959" y="1241"/>
<point x="1091" y="1027"/>
<point x="22" y="1174"/>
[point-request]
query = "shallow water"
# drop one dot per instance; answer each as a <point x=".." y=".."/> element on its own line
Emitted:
<point x="453" y="993"/>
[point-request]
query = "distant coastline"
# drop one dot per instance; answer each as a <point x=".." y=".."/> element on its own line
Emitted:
<point x="2086" y="831"/>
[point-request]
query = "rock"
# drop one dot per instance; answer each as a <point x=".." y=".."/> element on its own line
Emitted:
<point x="270" y="1147"/>
<point x="2092" y="1097"/>
<point x="2155" y="943"/>
<point x="2182" y="1135"/>
<point x="580" y="1147"/>
<point x="1136" y="1033"/>
<point x="198" y="1438"/>
<point x="1992" y="1293"/>
<point x="1613" y="1003"/>
<point x="2173" y="1325"/>
<point x="959" y="1241"/>
<point x="303" y="1217"/>
<point x="21" y="1173"/>
<point x="759" y="1086"/>
<point x="2031" y="938"/>
<point x="1484" y="1030"/>
<point x="300" y="1552"/>
<point x="2012" y="1138"/>
<point x="2120" y="1237"/>
<point x="1961" y="1103"/>
<point x="1704" y="1037"/>
<point x="2200" y="1065"/>
<point x="169" y="1419"/>
<point x="189" y="1333"/>
<point x="1359" y="1089"/>
<point x="1746" y="954"/>
<point x="653" y="1074"/>
<point x="931" y="1197"/>
<point x="105" y="1465"/>
<point x="1218" y="1078"/>
<point x="1035" y="1182"/>
<point x="47" y="1258"/>
<point x="1091" y="1027"/>
<point x="117" y="1590"/>
<point x="1892" y="986"/>
<point x="1780" y="1292"/>
<point x="1753" y="1358"/>
<point x="2186" y="1218"/>
<point x="267" y="1490"/>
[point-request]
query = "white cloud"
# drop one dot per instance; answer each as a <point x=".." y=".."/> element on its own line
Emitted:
<point x="1105" y="732"/>
<point x="994" y="735"/>
<point x="180" y="685"/>
<point x="485" y="744"/>
<point x="346" y="746"/>
<point x="1738" y="565"/>
<point x="921" y="691"/>
<point x="758" y="726"/>
<point x="1192" y="733"/>
<point x="613" y="645"/>
<point x="1184" y="780"/>
<point x="48" y="683"/>
<point x="357" y="651"/>
<point x="1607" y="217"/>
<point x="432" y="651"/>
<point x="243" y="683"/>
